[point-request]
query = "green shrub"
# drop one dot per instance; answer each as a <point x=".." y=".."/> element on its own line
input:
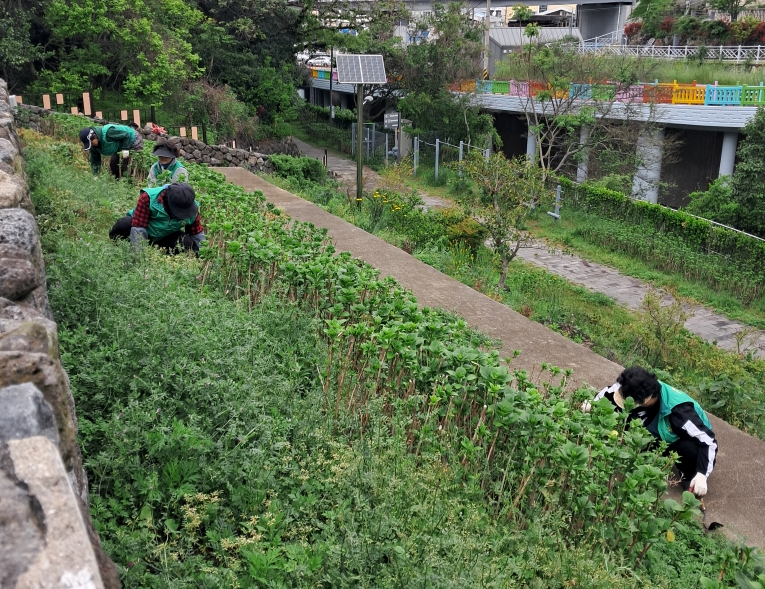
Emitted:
<point x="674" y="240"/>
<point x="468" y="233"/>
<point x="303" y="170"/>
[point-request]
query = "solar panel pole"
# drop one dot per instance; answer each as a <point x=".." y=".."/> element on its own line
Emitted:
<point x="331" y="76"/>
<point x="359" y="130"/>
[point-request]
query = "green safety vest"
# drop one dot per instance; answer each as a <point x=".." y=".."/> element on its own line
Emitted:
<point x="172" y="169"/>
<point x="670" y="397"/>
<point x="160" y="223"/>
<point x="107" y="147"/>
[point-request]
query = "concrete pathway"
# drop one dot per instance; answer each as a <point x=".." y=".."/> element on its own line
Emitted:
<point x="737" y="486"/>
<point x="630" y="292"/>
<point x="344" y="170"/>
<point x="627" y="291"/>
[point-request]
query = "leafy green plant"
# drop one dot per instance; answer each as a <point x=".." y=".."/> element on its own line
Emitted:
<point x="275" y="413"/>
<point x="302" y="170"/>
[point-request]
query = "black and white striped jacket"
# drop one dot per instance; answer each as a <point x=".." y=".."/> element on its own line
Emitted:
<point x="685" y="423"/>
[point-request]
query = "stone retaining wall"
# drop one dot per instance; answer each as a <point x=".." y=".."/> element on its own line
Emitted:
<point x="47" y="538"/>
<point x="192" y="150"/>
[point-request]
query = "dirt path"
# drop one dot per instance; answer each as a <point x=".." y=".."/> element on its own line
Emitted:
<point x="737" y="486"/>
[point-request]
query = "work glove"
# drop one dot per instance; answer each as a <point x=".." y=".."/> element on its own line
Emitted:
<point x="698" y="485"/>
<point x="586" y="407"/>
<point x="125" y="153"/>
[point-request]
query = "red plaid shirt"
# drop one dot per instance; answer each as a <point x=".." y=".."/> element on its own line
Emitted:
<point x="142" y="212"/>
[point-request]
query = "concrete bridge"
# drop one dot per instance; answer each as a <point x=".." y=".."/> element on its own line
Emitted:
<point x="708" y="136"/>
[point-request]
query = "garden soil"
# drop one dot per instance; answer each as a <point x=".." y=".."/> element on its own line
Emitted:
<point x="736" y="497"/>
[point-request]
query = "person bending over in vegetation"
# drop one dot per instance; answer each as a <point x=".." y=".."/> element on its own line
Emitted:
<point x="672" y="416"/>
<point x="111" y="140"/>
<point x="167" y="165"/>
<point x="168" y="216"/>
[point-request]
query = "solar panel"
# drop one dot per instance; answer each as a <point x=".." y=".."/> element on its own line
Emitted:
<point x="361" y="69"/>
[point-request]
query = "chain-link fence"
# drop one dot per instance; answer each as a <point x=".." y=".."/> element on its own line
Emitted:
<point x="376" y="144"/>
<point x="441" y="152"/>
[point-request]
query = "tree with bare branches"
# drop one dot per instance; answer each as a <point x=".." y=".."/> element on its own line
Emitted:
<point x="579" y="104"/>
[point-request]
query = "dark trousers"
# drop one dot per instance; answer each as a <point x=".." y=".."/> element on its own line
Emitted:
<point x="114" y="166"/>
<point x="687" y="452"/>
<point x="173" y="243"/>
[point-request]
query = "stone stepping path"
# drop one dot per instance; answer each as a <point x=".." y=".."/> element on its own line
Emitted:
<point x="737" y="485"/>
<point x="629" y="292"/>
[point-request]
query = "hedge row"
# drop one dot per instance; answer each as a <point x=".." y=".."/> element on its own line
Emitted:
<point x="746" y="254"/>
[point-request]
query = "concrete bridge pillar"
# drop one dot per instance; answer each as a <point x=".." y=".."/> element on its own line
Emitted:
<point x="728" y="156"/>
<point x="645" y="185"/>
<point x="583" y="166"/>
<point x="531" y="146"/>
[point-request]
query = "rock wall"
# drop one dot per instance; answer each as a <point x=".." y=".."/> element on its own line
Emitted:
<point x="47" y="538"/>
<point x="192" y="150"/>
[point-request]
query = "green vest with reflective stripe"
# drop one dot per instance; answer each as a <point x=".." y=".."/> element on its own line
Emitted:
<point x="160" y="223"/>
<point x="670" y="397"/>
<point x="107" y="147"/>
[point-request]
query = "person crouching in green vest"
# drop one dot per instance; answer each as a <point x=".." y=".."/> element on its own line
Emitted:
<point x="167" y="164"/>
<point x="672" y="416"/>
<point x="112" y="140"/>
<point x="168" y="216"/>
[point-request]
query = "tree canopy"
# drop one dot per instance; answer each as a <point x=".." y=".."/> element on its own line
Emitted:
<point x="180" y="52"/>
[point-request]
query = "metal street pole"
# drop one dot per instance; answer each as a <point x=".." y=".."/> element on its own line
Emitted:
<point x="359" y="139"/>
<point x="488" y="36"/>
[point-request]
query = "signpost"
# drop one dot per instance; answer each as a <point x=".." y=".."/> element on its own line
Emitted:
<point x="360" y="70"/>
<point x="392" y="120"/>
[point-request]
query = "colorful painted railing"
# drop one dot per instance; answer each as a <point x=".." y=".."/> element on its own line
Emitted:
<point x="753" y="95"/>
<point x="723" y="96"/>
<point x="324" y="74"/>
<point x="519" y="88"/>
<point x="660" y="93"/>
<point x="630" y="94"/>
<point x="499" y="87"/>
<point x="592" y="91"/>
<point x="536" y="87"/>
<point x="689" y="94"/>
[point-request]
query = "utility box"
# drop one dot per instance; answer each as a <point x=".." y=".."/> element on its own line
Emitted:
<point x="405" y="141"/>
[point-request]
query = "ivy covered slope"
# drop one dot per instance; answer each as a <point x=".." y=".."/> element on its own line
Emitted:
<point x="276" y="415"/>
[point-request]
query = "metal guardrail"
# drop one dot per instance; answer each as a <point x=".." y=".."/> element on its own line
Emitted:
<point x="612" y="38"/>
<point x="754" y="54"/>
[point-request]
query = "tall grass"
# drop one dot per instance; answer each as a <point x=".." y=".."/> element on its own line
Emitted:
<point x="649" y="70"/>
